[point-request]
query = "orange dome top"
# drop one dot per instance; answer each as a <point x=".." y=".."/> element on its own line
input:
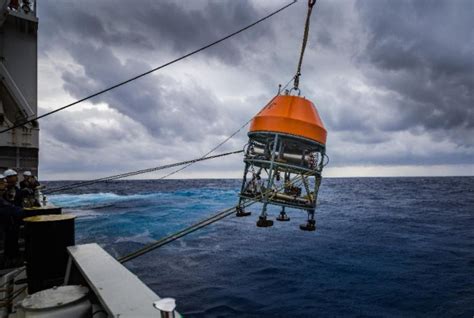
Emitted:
<point x="291" y="115"/>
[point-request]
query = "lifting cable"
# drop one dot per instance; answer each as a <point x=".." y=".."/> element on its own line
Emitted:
<point x="207" y="153"/>
<point x="134" y="173"/>
<point x="296" y="83"/>
<point x="150" y="71"/>
<point x="173" y="237"/>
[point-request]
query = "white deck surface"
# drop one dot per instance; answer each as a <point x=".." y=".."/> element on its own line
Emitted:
<point x="121" y="293"/>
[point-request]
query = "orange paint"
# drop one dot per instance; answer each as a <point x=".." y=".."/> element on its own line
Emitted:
<point x="292" y="115"/>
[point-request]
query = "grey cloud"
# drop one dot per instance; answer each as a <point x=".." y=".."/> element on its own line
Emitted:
<point x="164" y="107"/>
<point x="391" y="80"/>
<point x="78" y="131"/>
<point x="424" y="52"/>
<point x="155" y="25"/>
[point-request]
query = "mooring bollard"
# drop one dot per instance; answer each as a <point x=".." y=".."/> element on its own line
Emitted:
<point x="166" y="306"/>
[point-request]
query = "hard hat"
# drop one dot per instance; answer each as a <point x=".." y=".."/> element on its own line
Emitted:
<point x="2" y="177"/>
<point x="27" y="173"/>
<point x="9" y="173"/>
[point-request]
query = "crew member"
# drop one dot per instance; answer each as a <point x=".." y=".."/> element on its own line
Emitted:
<point x="14" y="4"/>
<point x="10" y="217"/>
<point x="12" y="192"/>
<point x="29" y="181"/>
<point x="28" y="187"/>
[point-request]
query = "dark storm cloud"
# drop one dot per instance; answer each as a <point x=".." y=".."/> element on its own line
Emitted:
<point x="155" y="25"/>
<point x="392" y="80"/>
<point x="83" y="134"/>
<point x="154" y="101"/>
<point x="93" y="32"/>
<point x="424" y="52"/>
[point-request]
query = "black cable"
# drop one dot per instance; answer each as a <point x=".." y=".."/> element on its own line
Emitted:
<point x="12" y="297"/>
<point x="152" y="70"/>
<point x="134" y="173"/>
<point x="230" y="136"/>
<point x="311" y="4"/>
<point x="207" y="153"/>
<point x="177" y="235"/>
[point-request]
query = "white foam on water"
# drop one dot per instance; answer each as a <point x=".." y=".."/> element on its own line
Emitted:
<point x="143" y="237"/>
<point x="95" y="199"/>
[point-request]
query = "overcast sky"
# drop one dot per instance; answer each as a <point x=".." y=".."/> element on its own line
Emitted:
<point x="392" y="80"/>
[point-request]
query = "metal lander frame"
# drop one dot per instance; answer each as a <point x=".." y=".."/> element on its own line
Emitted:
<point x="283" y="170"/>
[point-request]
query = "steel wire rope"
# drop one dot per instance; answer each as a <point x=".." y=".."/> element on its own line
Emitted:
<point x="190" y="229"/>
<point x="4" y="302"/>
<point x="311" y="4"/>
<point x="152" y="70"/>
<point x="230" y="136"/>
<point x="134" y="173"/>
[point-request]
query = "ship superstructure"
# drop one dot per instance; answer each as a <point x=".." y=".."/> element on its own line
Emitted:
<point x="19" y="147"/>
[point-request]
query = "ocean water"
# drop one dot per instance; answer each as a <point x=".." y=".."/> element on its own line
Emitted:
<point x="384" y="247"/>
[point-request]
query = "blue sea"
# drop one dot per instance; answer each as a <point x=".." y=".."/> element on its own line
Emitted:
<point x="384" y="247"/>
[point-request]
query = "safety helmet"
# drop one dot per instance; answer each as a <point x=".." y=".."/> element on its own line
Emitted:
<point x="9" y="173"/>
<point x="27" y="173"/>
<point x="2" y="177"/>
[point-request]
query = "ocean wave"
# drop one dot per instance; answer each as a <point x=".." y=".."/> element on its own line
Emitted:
<point x="83" y="213"/>
<point x="96" y="200"/>
<point x="107" y="199"/>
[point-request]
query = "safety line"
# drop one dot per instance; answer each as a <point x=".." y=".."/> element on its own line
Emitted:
<point x="230" y="136"/>
<point x="134" y="173"/>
